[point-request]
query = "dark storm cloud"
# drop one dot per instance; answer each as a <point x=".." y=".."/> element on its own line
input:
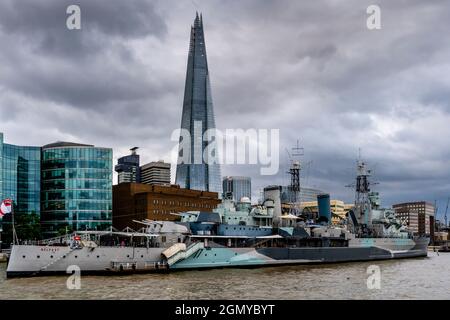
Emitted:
<point x="84" y="68"/>
<point x="309" y="68"/>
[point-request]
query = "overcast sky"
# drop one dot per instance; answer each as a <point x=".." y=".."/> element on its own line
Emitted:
<point x="310" y="68"/>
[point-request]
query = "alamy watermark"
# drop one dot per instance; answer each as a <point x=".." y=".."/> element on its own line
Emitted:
<point x="233" y="146"/>
<point x="73" y="21"/>
<point x="374" y="279"/>
<point x="373" y="21"/>
<point x="74" y="280"/>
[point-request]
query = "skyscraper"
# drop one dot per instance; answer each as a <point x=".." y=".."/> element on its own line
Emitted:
<point x="193" y="170"/>
<point x="127" y="168"/>
<point x="236" y="187"/>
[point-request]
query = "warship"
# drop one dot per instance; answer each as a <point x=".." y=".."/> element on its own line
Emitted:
<point x="233" y="235"/>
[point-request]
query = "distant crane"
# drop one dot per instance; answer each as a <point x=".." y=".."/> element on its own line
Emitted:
<point x="445" y="215"/>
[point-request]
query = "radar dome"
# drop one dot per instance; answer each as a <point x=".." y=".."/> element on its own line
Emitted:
<point x="245" y="200"/>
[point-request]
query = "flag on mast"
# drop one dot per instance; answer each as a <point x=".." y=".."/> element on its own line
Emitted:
<point x="5" y="207"/>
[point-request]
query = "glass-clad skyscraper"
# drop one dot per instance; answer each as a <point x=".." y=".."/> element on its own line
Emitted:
<point x="236" y="188"/>
<point x="76" y="188"/>
<point x="193" y="170"/>
<point x="20" y="176"/>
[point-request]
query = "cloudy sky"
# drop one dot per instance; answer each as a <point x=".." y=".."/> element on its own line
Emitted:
<point x="309" y="68"/>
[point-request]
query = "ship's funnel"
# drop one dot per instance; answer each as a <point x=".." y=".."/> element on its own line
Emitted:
<point x="323" y="202"/>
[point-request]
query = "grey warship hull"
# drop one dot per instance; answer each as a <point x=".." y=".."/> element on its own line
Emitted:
<point x="43" y="260"/>
<point x="358" y="250"/>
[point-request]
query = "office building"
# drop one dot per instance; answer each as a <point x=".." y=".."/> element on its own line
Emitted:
<point x="138" y="201"/>
<point x="338" y="209"/>
<point x="419" y="216"/>
<point x="235" y="187"/>
<point x="20" y="176"/>
<point x="76" y="188"/>
<point x="157" y="172"/>
<point x="193" y="170"/>
<point x="127" y="168"/>
<point x="306" y="194"/>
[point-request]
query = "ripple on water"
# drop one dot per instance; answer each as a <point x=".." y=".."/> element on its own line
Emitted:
<point x="424" y="278"/>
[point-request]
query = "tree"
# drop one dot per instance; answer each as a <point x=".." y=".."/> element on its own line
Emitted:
<point x="27" y="226"/>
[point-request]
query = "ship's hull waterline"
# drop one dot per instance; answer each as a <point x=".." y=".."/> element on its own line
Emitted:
<point x="35" y="261"/>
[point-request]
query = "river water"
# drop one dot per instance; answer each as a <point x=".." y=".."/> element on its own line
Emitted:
<point x="421" y="278"/>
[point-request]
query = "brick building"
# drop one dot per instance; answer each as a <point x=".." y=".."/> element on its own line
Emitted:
<point x="137" y="201"/>
<point x="419" y="216"/>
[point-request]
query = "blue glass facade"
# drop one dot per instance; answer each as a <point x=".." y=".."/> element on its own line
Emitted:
<point x="198" y="110"/>
<point x="237" y="187"/>
<point x="20" y="176"/>
<point x="76" y="188"/>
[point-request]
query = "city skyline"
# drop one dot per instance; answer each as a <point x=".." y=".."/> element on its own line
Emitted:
<point x="337" y="88"/>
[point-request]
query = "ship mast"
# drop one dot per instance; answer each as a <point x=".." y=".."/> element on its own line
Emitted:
<point x="294" y="172"/>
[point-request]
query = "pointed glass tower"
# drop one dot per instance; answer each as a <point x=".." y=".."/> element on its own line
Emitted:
<point x="198" y="116"/>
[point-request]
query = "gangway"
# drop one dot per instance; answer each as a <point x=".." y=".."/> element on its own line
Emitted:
<point x="179" y="251"/>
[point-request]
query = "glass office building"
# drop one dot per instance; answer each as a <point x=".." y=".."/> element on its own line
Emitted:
<point x="76" y="188"/>
<point x="236" y="188"/>
<point x="198" y="117"/>
<point x="20" y="176"/>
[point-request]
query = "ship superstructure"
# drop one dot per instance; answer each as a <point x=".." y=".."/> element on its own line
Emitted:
<point x="233" y="235"/>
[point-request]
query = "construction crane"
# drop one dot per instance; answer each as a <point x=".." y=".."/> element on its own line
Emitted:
<point x="445" y="215"/>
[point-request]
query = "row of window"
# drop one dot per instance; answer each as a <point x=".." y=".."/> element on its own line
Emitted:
<point x="75" y="215"/>
<point x="77" y="195"/>
<point x="77" y="174"/>
<point x="61" y="164"/>
<point x="76" y="153"/>
<point x="182" y="203"/>
<point x="77" y="184"/>
<point x="29" y="153"/>
<point x="77" y="205"/>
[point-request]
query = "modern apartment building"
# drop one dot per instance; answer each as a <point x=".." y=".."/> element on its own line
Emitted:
<point x="419" y="216"/>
